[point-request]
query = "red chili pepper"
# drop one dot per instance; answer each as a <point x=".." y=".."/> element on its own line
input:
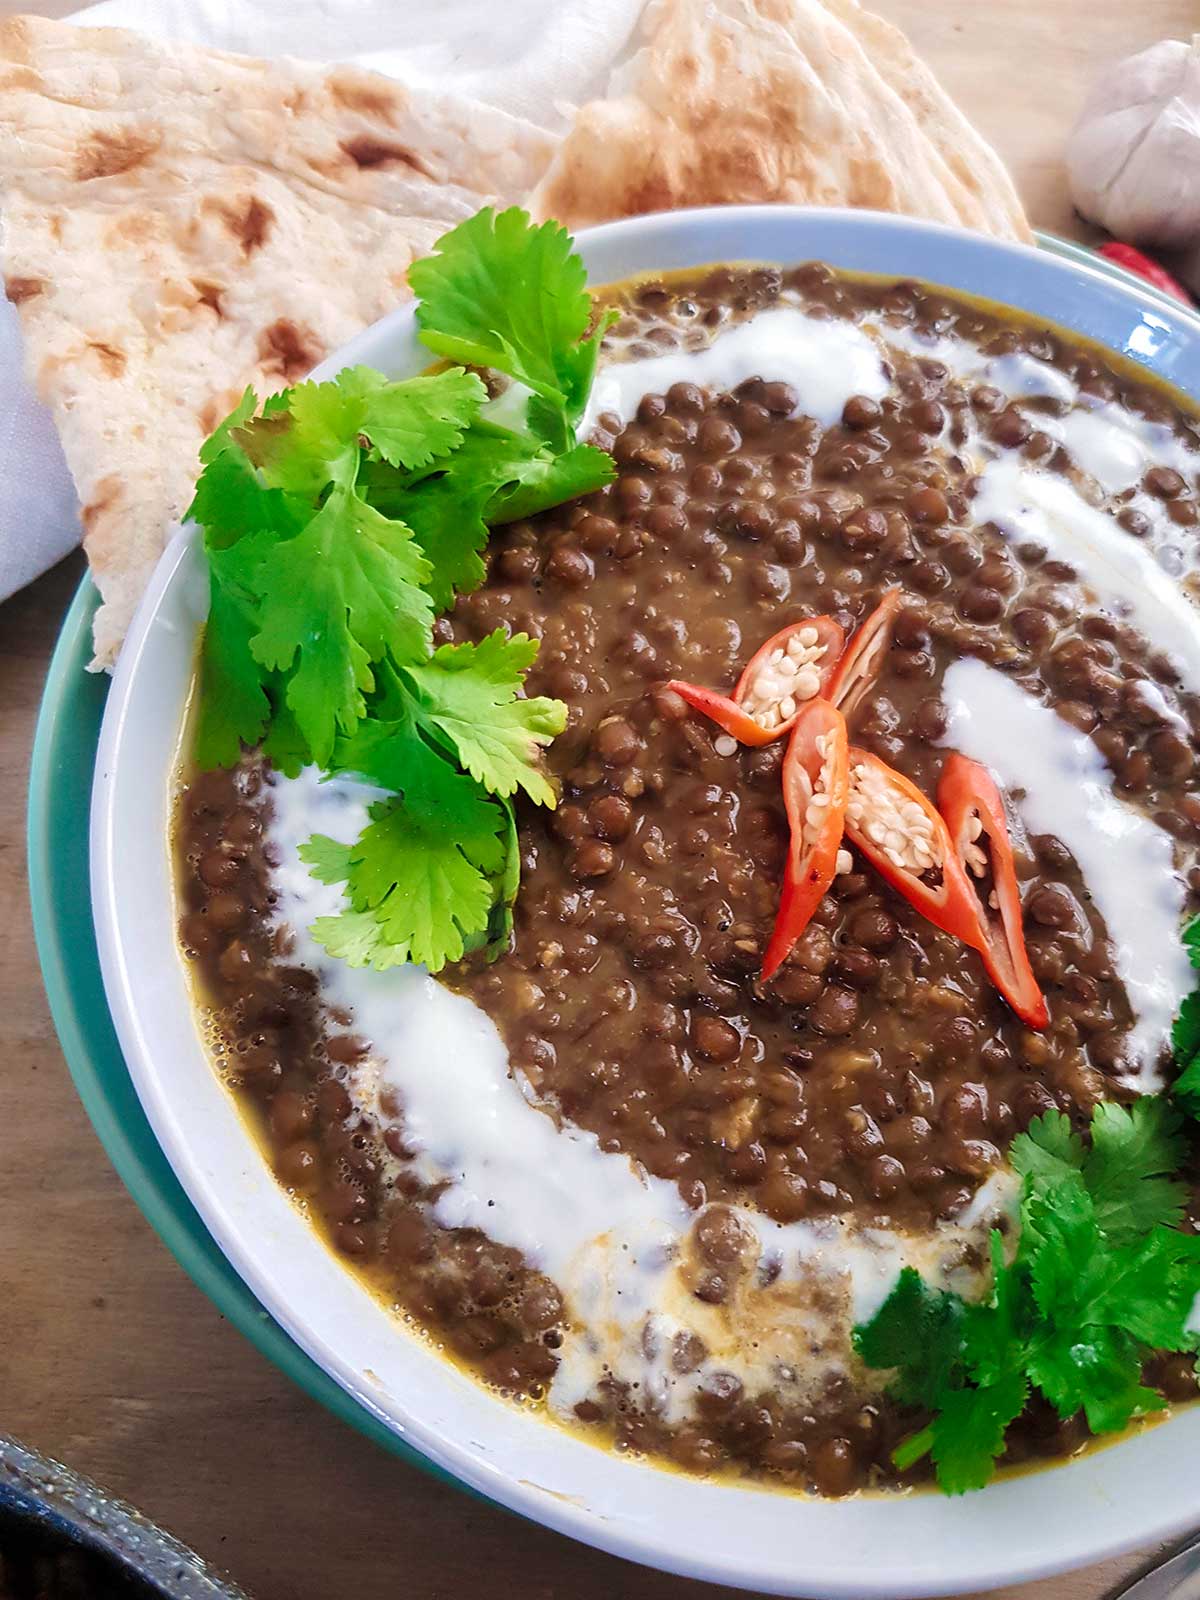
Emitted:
<point x="859" y="667"/>
<point x="815" y="785"/>
<point x="1142" y="266"/>
<point x="907" y="842"/>
<point x="970" y="802"/>
<point x="762" y="688"/>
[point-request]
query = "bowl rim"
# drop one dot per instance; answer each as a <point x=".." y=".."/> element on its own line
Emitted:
<point x="641" y="1539"/>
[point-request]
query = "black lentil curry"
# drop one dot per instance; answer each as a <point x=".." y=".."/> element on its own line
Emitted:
<point x="879" y="1075"/>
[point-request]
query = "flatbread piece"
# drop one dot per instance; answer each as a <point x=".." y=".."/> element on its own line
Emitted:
<point x="735" y="101"/>
<point x="179" y="222"/>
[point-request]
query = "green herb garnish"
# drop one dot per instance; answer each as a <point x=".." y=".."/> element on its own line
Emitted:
<point x="1185" y="1035"/>
<point x="339" y="519"/>
<point x="1100" y="1277"/>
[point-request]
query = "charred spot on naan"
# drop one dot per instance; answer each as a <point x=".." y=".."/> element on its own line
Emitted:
<point x="248" y="219"/>
<point x="112" y="361"/>
<point x="287" y="351"/>
<point x="366" y="151"/>
<point x="107" y="155"/>
<point x="354" y="92"/>
<point x="20" y="289"/>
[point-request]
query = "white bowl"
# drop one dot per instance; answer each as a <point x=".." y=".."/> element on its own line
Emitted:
<point x="871" y="1545"/>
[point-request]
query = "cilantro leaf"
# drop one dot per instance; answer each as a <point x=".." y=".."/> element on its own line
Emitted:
<point x="363" y="599"/>
<point x="469" y="694"/>
<point x="1128" y="1168"/>
<point x="233" y="705"/>
<point x="968" y="1432"/>
<point x="447" y="522"/>
<point x="1048" y="1151"/>
<point x="230" y="498"/>
<point x="546" y="480"/>
<point x="1185" y="1035"/>
<point x="420" y="420"/>
<point x="496" y="476"/>
<point x="504" y="292"/>
<point x="1191" y="941"/>
<point x="1095" y="1370"/>
<point x="994" y="1333"/>
<point x="918" y="1331"/>
<point x="327" y="859"/>
<point x="422" y="867"/>
<point x="1185" y="1091"/>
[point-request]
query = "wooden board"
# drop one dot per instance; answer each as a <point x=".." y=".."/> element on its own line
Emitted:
<point x="109" y="1357"/>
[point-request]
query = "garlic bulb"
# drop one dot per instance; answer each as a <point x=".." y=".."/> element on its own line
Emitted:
<point x="1134" y="156"/>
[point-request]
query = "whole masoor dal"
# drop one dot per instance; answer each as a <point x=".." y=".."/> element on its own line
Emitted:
<point x="879" y="1075"/>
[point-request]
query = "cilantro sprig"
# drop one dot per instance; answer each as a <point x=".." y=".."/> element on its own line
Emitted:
<point x="339" y="519"/>
<point x="1185" y="1035"/>
<point x="1100" y="1276"/>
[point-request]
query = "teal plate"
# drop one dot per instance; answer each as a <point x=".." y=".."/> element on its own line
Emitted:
<point x="60" y="785"/>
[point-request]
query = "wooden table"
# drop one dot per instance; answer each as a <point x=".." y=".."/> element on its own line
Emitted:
<point x="109" y="1357"/>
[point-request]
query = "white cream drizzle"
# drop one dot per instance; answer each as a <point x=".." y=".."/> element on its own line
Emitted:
<point x="611" y="1236"/>
<point x="1044" y="508"/>
<point x="825" y="360"/>
<point x="1127" y="862"/>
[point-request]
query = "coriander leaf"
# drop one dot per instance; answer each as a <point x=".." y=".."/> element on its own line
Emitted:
<point x="1093" y="1369"/>
<point x="995" y="1332"/>
<point x="496" y="940"/>
<point x="968" y="1432"/>
<point x="547" y="480"/>
<point x="918" y="1331"/>
<point x="416" y="421"/>
<point x="446" y="518"/>
<point x="1185" y="1035"/>
<point x="1046" y="1152"/>
<point x="230" y="498"/>
<point x="425" y="869"/>
<point x="1065" y="1250"/>
<point x="334" y="599"/>
<point x="495" y="476"/>
<point x="501" y="291"/>
<point x="469" y="694"/>
<point x="1151" y="1287"/>
<point x="309" y="445"/>
<point x="233" y="706"/>
<point x="356" y="938"/>
<point x="1186" y="1088"/>
<point x="327" y="859"/>
<point x="1127" y="1169"/>
<point x="1191" y="941"/>
<point x="284" y="746"/>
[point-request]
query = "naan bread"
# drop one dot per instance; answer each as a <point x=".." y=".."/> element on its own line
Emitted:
<point x="728" y="101"/>
<point x="178" y="223"/>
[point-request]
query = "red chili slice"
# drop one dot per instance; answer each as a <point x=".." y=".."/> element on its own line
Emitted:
<point x="859" y="667"/>
<point x="815" y="786"/>
<point x="1143" y="266"/>
<point x="790" y="661"/>
<point x="970" y="802"/>
<point x="892" y="823"/>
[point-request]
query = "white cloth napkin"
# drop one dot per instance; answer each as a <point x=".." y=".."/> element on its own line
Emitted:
<point x="535" y="58"/>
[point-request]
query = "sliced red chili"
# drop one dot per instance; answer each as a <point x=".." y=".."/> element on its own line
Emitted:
<point x="862" y="658"/>
<point x="974" y="811"/>
<point x="908" y="843"/>
<point x="1124" y="255"/>
<point x="793" y="667"/>
<point x="815" y="787"/>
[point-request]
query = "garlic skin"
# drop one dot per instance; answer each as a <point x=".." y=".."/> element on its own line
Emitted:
<point x="1133" y="158"/>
